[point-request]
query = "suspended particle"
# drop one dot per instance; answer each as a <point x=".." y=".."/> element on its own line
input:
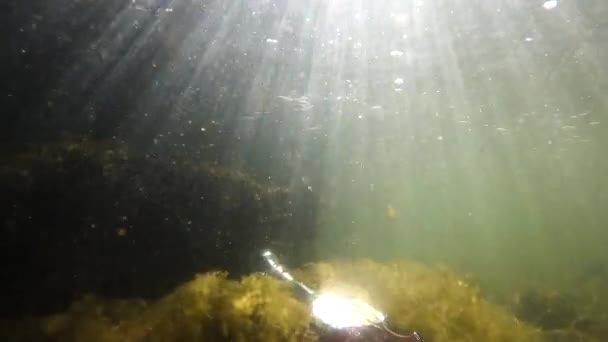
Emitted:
<point x="550" y="4"/>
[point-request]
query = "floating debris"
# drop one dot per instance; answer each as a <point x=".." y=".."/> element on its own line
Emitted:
<point x="301" y="103"/>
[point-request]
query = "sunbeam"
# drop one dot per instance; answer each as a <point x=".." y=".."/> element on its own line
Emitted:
<point x="466" y="133"/>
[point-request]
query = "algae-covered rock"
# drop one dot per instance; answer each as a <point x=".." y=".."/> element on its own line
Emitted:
<point x="553" y="310"/>
<point x="208" y="308"/>
<point x="435" y="302"/>
<point x="96" y="216"/>
<point x="564" y="316"/>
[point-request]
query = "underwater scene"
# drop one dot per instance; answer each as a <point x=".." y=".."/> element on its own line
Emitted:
<point x="304" y="170"/>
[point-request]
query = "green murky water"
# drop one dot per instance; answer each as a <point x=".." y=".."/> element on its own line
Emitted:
<point x="470" y="134"/>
